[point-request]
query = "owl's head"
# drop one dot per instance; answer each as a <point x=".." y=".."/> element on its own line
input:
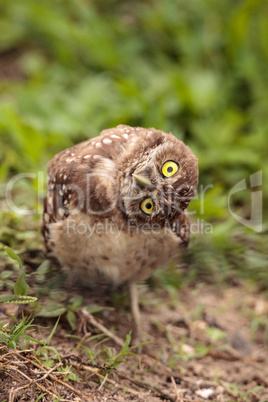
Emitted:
<point x="158" y="177"/>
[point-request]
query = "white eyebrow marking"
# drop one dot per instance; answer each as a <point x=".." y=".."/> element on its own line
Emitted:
<point x="115" y="136"/>
<point x="98" y="145"/>
<point x="87" y="156"/>
<point x="107" y="141"/>
<point x="96" y="156"/>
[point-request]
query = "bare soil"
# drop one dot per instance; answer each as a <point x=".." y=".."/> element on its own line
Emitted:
<point x="201" y="348"/>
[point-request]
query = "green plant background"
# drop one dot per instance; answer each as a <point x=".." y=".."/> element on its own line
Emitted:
<point x="69" y="69"/>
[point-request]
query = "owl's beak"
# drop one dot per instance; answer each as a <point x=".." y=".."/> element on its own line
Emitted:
<point x="143" y="180"/>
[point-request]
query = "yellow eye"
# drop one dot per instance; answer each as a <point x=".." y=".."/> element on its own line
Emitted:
<point x="169" y="168"/>
<point x="147" y="206"/>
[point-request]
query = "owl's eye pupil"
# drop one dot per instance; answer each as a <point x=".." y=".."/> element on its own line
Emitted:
<point x="170" y="169"/>
<point x="148" y="205"/>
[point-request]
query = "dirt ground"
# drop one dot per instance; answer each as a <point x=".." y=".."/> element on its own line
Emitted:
<point x="205" y="344"/>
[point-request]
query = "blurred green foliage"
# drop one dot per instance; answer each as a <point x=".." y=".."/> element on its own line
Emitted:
<point x="198" y="68"/>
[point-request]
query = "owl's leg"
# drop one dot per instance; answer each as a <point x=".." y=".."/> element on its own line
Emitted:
<point x="135" y="312"/>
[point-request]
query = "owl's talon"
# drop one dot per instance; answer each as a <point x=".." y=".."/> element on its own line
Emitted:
<point x="135" y="312"/>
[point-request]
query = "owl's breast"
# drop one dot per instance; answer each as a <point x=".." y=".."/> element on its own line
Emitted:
<point x="98" y="250"/>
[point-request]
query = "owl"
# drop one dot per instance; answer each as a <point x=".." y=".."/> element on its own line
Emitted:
<point x="116" y="206"/>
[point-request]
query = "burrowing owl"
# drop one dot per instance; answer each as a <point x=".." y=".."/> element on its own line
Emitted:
<point x="115" y="206"/>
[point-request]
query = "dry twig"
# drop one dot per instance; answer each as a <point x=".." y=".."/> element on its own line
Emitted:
<point x="102" y="328"/>
<point x="178" y="399"/>
<point x="148" y="387"/>
<point x="114" y="383"/>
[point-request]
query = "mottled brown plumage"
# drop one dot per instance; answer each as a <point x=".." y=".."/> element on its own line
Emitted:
<point x="115" y="206"/>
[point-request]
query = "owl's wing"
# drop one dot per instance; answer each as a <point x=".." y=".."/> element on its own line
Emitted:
<point x="84" y="174"/>
<point x="183" y="229"/>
